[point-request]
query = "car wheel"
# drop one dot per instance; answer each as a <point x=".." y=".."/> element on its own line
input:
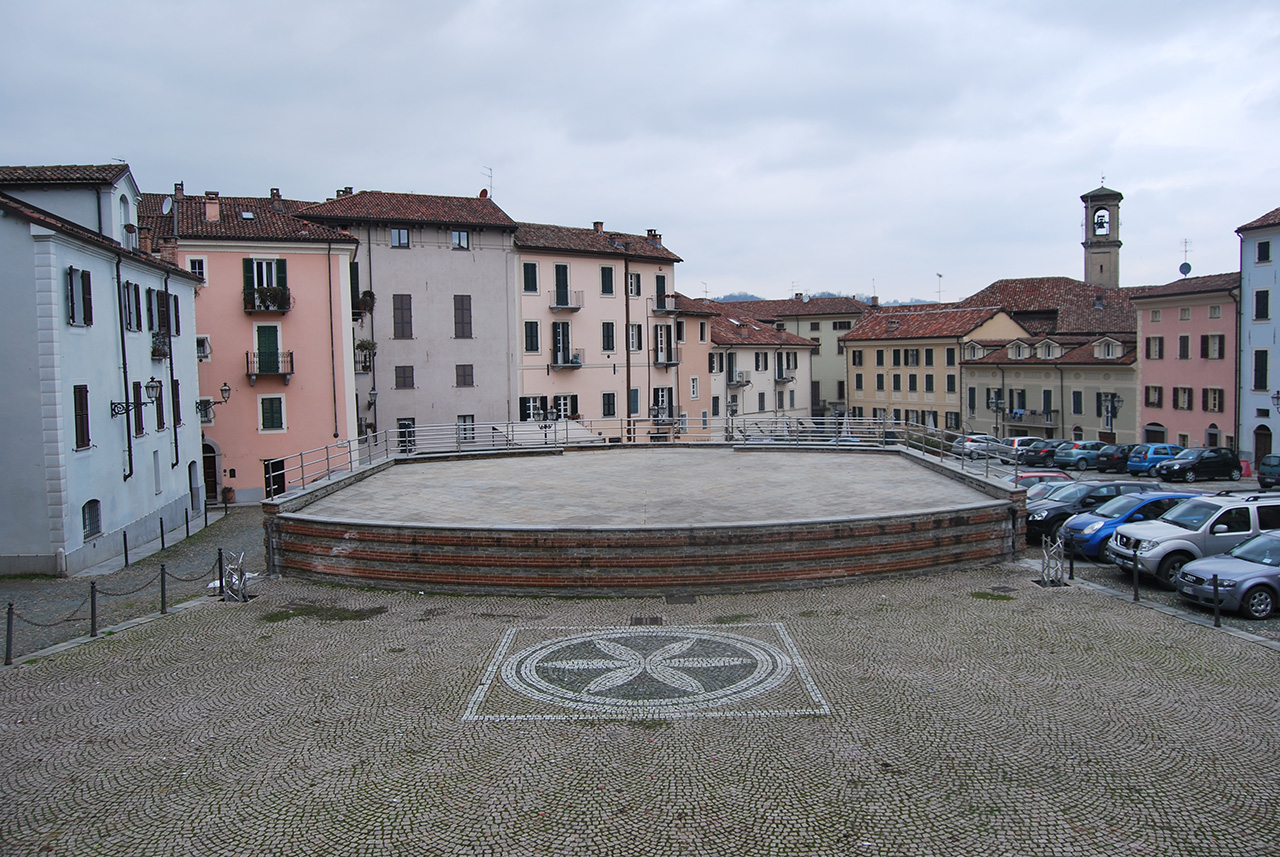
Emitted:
<point x="1190" y="476"/>
<point x="1082" y="464"/>
<point x="973" y="454"/>
<point x="1104" y="550"/>
<point x="1258" y="603"/>
<point x="1170" y="566"/>
<point x="1234" y="475"/>
<point x="1055" y="530"/>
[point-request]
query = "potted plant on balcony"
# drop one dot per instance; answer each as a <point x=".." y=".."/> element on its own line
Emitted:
<point x="366" y="301"/>
<point x="273" y="297"/>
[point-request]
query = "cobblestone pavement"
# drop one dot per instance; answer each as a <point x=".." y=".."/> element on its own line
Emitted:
<point x="49" y="600"/>
<point x="966" y="713"/>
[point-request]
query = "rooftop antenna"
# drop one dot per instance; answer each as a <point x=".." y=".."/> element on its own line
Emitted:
<point x="1185" y="267"/>
<point x="488" y="171"/>
<point x="704" y="289"/>
<point x="939" y="288"/>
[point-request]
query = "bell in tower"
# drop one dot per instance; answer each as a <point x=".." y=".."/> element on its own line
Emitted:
<point x="1102" y="237"/>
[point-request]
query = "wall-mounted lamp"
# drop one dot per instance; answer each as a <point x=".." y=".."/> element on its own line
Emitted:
<point x="205" y="406"/>
<point x="372" y="399"/>
<point x="152" y="388"/>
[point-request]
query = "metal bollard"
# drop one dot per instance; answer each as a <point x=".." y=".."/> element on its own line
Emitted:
<point x="93" y="609"/>
<point x="8" y="636"/>
<point x="186" y="521"/>
<point x="206" y="513"/>
<point x="125" y="536"/>
<point x="1135" y="582"/>
<point x="162" y="534"/>
<point x="1071" y="565"/>
<point x="221" y="577"/>
<point x="164" y="593"/>
<point x="1217" y="605"/>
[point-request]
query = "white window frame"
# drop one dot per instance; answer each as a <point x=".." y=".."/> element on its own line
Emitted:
<point x="284" y="413"/>
<point x="693" y="387"/>
<point x="203" y="261"/>
<point x="633" y="284"/>
<point x="396" y="232"/>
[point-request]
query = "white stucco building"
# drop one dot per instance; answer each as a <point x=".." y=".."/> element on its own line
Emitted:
<point x="1259" y="287"/>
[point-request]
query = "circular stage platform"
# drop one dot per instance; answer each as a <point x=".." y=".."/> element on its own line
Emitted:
<point x="631" y="519"/>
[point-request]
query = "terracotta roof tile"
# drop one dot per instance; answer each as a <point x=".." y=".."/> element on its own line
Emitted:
<point x="1189" y="286"/>
<point x="571" y="239"/>
<point x="1081" y="354"/>
<point x="1271" y="218"/>
<point x="936" y="322"/>
<point x="792" y="307"/>
<point x="272" y="219"/>
<point x="378" y="206"/>
<point x="67" y="174"/>
<point x="1059" y="304"/>
<point x="729" y="329"/>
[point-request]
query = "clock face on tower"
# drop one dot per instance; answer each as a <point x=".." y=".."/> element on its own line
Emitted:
<point x="1102" y="222"/>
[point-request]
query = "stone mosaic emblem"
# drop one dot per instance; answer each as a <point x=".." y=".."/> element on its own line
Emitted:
<point x="644" y="672"/>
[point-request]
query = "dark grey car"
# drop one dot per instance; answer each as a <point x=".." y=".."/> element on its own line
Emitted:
<point x="1248" y="577"/>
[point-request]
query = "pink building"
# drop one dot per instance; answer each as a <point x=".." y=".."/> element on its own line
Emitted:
<point x="273" y="329"/>
<point x="1187" y="361"/>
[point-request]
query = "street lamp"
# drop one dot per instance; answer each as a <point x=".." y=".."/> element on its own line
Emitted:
<point x="1275" y="400"/>
<point x="152" y="388"/>
<point x="205" y="406"/>
<point x="1111" y="405"/>
<point x="995" y="404"/>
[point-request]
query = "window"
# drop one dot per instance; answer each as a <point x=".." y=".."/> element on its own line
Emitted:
<point x="466" y="427"/>
<point x="159" y="405"/>
<point x="715" y="406"/>
<point x="462" y="316"/>
<point x="897" y="357"/>
<point x="175" y="401"/>
<point x="399" y="237"/>
<point x="1262" y="305"/>
<point x="702" y="331"/>
<point x="951" y="383"/>
<point x="1077" y="402"/>
<point x="679" y="329"/>
<point x="928" y="383"/>
<point x="80" y="404"/>
<point x="1212" y="346"/>
<point x="857" y="380"/>
<point x="91" y="518"/>
<point x="561" y="347"/>
<point x="913" y="383"/>
<point x="1184" y="313"/>
<point x="693" y="387"/>
<point x="531" y="277"/>
<point x="842" y="325"/>
<point x="855" y="357"/>
<point x="815" y="325"/>
<point x="760" y="402"/>
<point x="566" y="406"/>
<point x="1184" y="347"/>
<point x="762" y="361"/>
<point x="402" y="316"/>
<point x="464" y="375"/>
<point x="130" y="297"/>
<point x="951" y="357"/>
<point x="1155" y="316"/>
<point x="195" y="265"/>
<point x="531" y="343"/>
<point x="460" y="239"/>
<point x="635" y="337"/>
<point x="1155" y="347"/>
<point x="633" y="285"/>
<point x="953" y="420"/>
<point x="1211" y="400"/>
<point x="1182" y="398"/>
<point x="633" y="401"/>
<point x="897" y="382"/>
<point x="791" y="396"/>
<point x="271" y="413"/>
<point x="880" y="381"/>
<point x="928" y="357"/>
<point x="817" y="344"/>
<point x="606" y="279"/>
<point x="139" y="428"/>
<point x="1264" y="252"/>
<point x="607" y="338"/>
<point x="839" y="390"/>
<point x="404" y="377"/>
<point x="79" y="298"/>
<point x="609" y="405"/>
<point x="1261" y="359"/>
<point x="1215" y="311"/>
<point x="879" y="356"/>
<point x="1154" y="397"/>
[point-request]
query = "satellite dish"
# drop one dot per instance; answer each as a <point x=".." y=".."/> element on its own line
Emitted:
<point x="167" y="205"/>
<point x="804" y="299"/>
<point x="1185" y="268"/>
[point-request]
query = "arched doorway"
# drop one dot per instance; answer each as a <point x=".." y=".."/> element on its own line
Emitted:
<point x="1261" y="443"/>
<point x="212" y="471"/>
<point x="1212" y="437"/>
<point x="1154" y="433"/>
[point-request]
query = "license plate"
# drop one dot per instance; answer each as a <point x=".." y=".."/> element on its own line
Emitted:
<point x="1190" y="590"/>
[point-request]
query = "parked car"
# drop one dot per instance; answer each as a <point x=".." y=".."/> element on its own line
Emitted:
<point x="1268" y="471"/>
<point x="1248" y="578"/>
<point x="1145" y="456"/>
<point x="1043" y="489"/>
<point x="975" y="445"/>
<point x="1046" y="515"/>
<point x="1114" y="457"/>
<point x="1080" y="454"/>
<point x="1211" y="462"/>
<point x="1089" y="533"/>
<point x="1027" y="478"/>
<point x="1200" y="527"/>
<point x="1019" y="445"/>
<point x="1040" y="453"/>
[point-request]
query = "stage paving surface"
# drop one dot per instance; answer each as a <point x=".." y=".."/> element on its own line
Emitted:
<point x="646" y="487"/>
<point x="961" y="713"/>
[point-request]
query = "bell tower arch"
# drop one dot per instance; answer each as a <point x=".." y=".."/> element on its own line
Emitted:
<point x="1102" y="237"/>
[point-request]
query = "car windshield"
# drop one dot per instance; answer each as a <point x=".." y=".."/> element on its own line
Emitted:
<point x="1264" y="549"/>
<point x="1119" y="506"/>
<point x="1068" y="492"/>
<point x="1190" y="515"/>
<point x="1189" y="453"/>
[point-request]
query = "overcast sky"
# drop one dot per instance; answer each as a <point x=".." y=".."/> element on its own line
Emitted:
<point x="779" y="147"/>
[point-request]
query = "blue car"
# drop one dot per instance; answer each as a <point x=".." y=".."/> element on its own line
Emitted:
<point x="1145" y="456"/>
<point x="1089" y="533"/>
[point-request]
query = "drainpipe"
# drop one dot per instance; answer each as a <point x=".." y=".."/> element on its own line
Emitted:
<point x="333" y="364"/>
<point x="1235" y="298"/>
<point x="1062" y="401"/>
<point x="168" y="302"/>
<point x="373" y="357"/>
<point x="123" y="300"/>
<point x="1007" y="404"/>
<point x="626" y="315"/>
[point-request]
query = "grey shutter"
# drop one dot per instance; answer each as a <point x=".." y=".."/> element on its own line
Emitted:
<point x="86" y="297"/>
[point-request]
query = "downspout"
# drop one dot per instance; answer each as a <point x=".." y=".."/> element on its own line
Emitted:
<point x="1234" y="294"/>
<point x="1007" y="404"/>
<point x="123" y="300"/>
<point x="1062" y="401"/>
<point x="333" y="357"/>
<point x="626" y="316"/>
<point x="168" y="302"/>
<point x="373" y="356"/>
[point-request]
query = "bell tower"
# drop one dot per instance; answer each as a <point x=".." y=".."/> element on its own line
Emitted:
<point x="1102" y="237"/>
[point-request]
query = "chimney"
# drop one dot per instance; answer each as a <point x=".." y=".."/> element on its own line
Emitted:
<point x="277" y="201"/>
<point x="892" y="324"/>
<point x="344" y="191"/>
<point x="875" y="300"/>
<point x="598" y="226"/>
<point x="212" y="208"/>
<point x="144" y="239"/>
<point x="178" y="192"/>
<point x="799" y="296"/>
<point x="655" y="236"/>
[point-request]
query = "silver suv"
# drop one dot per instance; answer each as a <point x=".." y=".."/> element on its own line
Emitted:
<point x="1195" y="528"/>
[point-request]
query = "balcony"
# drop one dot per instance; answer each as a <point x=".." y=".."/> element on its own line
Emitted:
<point x="563" y="300"/>
<point x="665" y="305"/>
<point x="566" y="360"/>
<point x="666" y="356"/>
<point x="267" y="299"/>
<point x="160" y="345"/>
<point x="268" y="363"/>
<point x="364" y="362"/>
<point x="739" y="378"/>
<point x="783" y="379"/>
<point x="1018" y="416"/>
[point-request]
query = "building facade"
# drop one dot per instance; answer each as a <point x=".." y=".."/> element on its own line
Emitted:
<point x="1259" y="283"/>
<point x="102" y="440"/>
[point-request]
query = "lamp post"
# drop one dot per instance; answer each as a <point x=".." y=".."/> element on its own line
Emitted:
<point x="995" y="404"/>
<point x="1111" y="405"/>
<point x="206" y="406"/>
<point x="732" y="411"/>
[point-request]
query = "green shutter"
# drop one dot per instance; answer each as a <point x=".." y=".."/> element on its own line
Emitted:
<point x="282" y="279"/>
<point x="355" y="286"/>
<point x="248" y="283"/>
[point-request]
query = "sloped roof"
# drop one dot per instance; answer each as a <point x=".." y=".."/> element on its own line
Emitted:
<point x="730" y="329"/>
<point x="1189" y="286"/>
<point x="65" y="174"/>
<point x="1271" y="218"/>
<point x="940" y="321"/>
<point x="1080" y="354"/>
<point x="379" y="206"/>
<point x="571" y="239"/>
<point x="30" y="213"/>
<point x="1102" y="192"/>
<point x="272" y="219"/>
<point x="793" y="307"/>
<point x="1059" y="305"/>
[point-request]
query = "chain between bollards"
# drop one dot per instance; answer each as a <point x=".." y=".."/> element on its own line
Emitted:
<point x="1217" y="605"/>
<point x="164" y="593"/>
